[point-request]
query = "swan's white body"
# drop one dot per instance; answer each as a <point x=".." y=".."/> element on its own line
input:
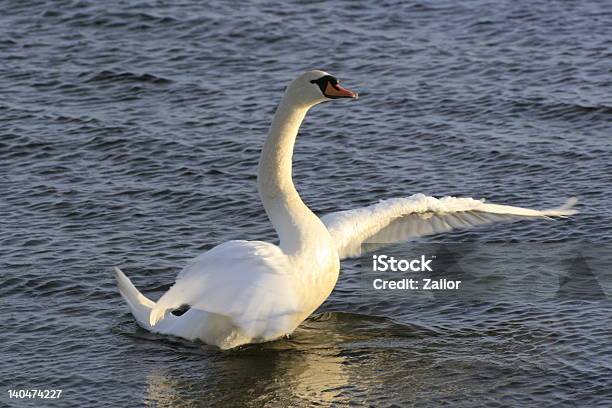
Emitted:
<point x="251" y="291"/>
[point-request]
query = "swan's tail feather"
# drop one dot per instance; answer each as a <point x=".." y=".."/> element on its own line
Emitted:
<point x="156" y="315"/>
<point x="140" y="305"/>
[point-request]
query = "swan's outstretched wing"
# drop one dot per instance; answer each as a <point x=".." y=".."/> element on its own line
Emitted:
<point x="246" y="281"/>
<point x="401" y="219"/>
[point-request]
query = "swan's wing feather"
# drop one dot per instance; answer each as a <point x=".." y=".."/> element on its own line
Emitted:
<point x="247" y="281"/>
<point x="403" y="219"/>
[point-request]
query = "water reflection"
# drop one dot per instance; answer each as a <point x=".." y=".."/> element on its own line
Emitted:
<point x="335" y="359"/>
<point x="309" y="367"/>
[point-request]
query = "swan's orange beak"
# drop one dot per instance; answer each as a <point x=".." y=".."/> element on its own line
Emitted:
<point x="336" y="91"/>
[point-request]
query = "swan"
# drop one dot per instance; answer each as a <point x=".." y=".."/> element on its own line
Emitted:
<point x="242" y="292"/>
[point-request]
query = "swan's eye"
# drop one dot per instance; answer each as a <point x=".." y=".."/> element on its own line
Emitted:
<point x="324" y="81"/>
<point x="331" y="89"/>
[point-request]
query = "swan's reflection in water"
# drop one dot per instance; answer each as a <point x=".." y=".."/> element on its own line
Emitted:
<point x="338" y="359"/>
<point x="328" y="361"/>
<point x="310" y="368"/>
<point x="308" y="378"/>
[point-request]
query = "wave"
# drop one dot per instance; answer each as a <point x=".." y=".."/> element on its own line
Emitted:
<point x="112" y="76"/>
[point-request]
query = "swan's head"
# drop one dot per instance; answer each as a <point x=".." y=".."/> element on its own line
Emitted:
<point x="316" y="86"/>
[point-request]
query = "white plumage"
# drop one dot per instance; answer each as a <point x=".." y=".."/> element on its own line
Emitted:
<point x="401" y="219"/>
<point x="250" y="291"/>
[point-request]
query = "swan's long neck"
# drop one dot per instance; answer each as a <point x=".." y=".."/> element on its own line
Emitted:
<point x="295" y="224"/>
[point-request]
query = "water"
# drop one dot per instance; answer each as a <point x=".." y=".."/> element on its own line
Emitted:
<point x="130" y="134"/>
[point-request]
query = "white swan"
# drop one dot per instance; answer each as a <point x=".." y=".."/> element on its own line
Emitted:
<point x="251" y="291"/>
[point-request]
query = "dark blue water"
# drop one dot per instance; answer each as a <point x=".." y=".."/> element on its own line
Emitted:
<point x="130" y="133"/>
